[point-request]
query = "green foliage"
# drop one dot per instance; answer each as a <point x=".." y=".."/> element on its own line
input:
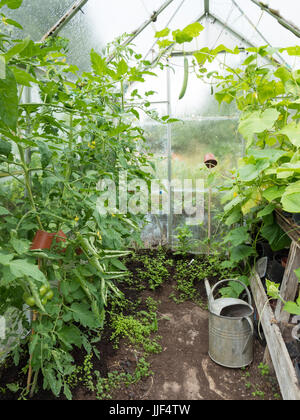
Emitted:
<point x="189" y="276"/>
<point x="267" y="178"/>
<point x="103" y="387"/>
<point x="184" y="240"/>
<point x="264" y="369"/>
<point x="273" y="290"/>
<point x="80" y="131"/>
<point x="138" y="329"/>
<point x="155" y="269"/>
<point x="179" y="36"/>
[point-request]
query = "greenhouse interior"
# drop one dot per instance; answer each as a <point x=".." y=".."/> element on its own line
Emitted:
<point x="149" y="202"/>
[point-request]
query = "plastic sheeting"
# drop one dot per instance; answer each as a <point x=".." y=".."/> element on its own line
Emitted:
<point x="178" y="150"/>
<point x="99" y="23"/>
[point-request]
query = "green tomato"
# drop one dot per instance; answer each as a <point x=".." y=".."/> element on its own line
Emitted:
<point x="30" y="301"/>
<point x="43" y="290"/>
<point x="44" y="301"/>
<point x="49" y="295"/>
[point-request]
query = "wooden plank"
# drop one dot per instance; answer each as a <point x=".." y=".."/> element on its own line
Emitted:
<point x="289" y="285"/>
<point x="282" y="363"/>
<point x="291" y="229"/>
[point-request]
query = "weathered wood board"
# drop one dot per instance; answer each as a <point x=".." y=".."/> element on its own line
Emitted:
<point x="283" y="366"/>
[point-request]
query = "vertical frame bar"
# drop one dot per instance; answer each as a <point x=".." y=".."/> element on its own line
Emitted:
<point x="169" y="135"/>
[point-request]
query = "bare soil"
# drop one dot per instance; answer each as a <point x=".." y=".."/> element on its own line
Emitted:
<point x="182" y="371"/>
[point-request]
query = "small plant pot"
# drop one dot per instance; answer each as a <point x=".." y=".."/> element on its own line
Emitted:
<point x="282" y="257"/>
<point x="210" y="160"/>
<point x="42" y="240"/>
<point x="284" y="261"/>
<point x="61" y="237"/>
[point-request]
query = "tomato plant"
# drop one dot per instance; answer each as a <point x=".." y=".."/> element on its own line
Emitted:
<point x="53" y="153"/>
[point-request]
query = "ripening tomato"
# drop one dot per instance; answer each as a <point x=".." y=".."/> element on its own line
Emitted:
<point x="49" y="295"/>
<point x="30" y="301"/>
<point x="43" y="290"/>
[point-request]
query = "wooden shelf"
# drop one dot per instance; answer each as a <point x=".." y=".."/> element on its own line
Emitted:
<point x="283" y="366"/>
<point x="273" y="323"/>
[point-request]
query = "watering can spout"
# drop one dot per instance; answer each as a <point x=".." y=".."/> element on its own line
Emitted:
<point x="208" y="289"/>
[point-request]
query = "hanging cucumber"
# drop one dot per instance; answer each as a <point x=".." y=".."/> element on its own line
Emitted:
<point x="186" y="78"/>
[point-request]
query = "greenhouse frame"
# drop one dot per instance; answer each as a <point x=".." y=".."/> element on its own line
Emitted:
<point x="149" y="153"/>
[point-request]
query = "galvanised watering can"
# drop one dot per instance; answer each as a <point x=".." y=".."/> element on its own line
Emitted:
<point x="230" y="328"/>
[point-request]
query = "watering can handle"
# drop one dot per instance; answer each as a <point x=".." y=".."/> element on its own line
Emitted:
<point x="223" y="281"/>
<point x="252" y="332"/>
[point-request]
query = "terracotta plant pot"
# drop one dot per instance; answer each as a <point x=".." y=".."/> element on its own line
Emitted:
<point x="210" y="160"/>
<point x="61" y="237"/>
<point x="284" y="261"/>
<point x="42" y="240"/>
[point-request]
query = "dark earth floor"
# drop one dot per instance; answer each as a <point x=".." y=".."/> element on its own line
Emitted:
<point x="182" y="371"/>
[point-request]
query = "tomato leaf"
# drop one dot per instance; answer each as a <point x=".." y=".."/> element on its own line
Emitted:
<point x="9" y="100"/>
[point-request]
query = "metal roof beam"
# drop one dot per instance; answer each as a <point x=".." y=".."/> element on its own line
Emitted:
<point x="167" y="25"/>
<point x="291" y="27"/>
<point x="140" y="29"/>
<point x="65" y="19"/>
<point x="233" y="32"/>
<point x="190" y="53"/>
<point x="206" y="7"/>
<point x="257" y="30"/>
<point x="242" y="38"/>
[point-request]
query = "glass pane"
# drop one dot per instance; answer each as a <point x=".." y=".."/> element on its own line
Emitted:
<point x="256" y="25"/>
<point x="157" y="85"/>
<point x="111" y="19"/>
<point x="155" y="232"/>
<point x="180" y="14"/>
<point x="37" y="19"/>
<point x="191" y="141"/>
